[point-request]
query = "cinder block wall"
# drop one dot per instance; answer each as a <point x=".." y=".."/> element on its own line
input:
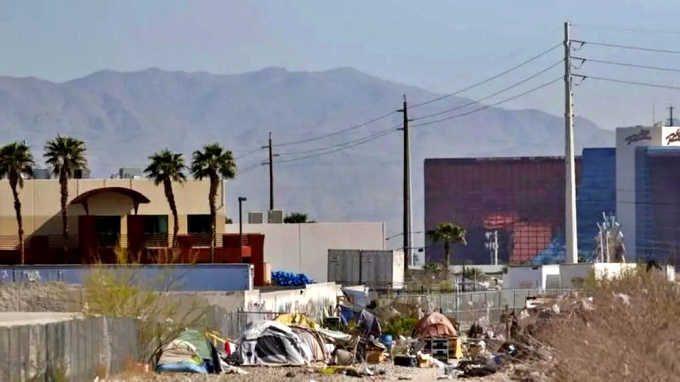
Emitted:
<point x="78" y="349"/>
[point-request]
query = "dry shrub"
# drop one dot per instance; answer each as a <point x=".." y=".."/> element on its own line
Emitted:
<point x="631" y="335"/>
<point x="125" y="291"/>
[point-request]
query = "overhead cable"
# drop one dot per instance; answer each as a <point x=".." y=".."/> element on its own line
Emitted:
<point x="585" y="59"/>
<point x="626" y="29"/>
<point x="583" y="76"/>
<point x="501" y="74"/>
<point x="329" y="147"/>
<point x="516" y="84"/>
<point x="354" y="127"/>
<point x="488" y="106"/>
<point x="629" y="47"/>
<point x="345" y="146"/>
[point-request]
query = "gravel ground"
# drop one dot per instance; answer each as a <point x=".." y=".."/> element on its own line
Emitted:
<point x="297" y="374"/>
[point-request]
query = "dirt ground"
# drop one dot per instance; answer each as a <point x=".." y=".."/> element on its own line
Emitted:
<point x="389" y="373"/>
<point x="279" y="374"/>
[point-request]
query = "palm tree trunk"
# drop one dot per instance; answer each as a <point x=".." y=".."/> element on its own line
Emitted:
<point x="63" y="182"/>
<point x="214" y="180"/>
<point x="17" y="209"/>
<point x="447" y="261"/>
<point x="167" y="186"/>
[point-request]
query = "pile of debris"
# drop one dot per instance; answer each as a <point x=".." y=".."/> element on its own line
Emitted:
<point x="517" y="351"/>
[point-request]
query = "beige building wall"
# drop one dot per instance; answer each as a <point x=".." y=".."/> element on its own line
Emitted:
<point x="303" y="248"/>
<point x="40" y="204"/>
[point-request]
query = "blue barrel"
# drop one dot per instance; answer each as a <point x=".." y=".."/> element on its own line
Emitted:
<point x="386" y="339"/>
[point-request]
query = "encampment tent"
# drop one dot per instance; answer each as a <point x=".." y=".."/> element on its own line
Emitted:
<point x="189" y="352"/>
<point x="368" y="324"/>
<point x="297" y="319"/>
<point x="314" y="342"/>
<point x="434" y="324"/>
<point x="271" y="343"/>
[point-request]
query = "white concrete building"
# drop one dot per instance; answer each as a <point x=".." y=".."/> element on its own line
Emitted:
<point x="303" y="248"/>
<point x="627" y="140"/>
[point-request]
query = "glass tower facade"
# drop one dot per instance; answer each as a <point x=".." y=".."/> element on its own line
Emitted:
<point x="657" y="203"/>
<point x="596" y="195"/>
<point x="522" y="199"/>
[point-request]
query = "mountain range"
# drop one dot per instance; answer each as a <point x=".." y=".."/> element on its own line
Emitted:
<point x="125" y="116"/>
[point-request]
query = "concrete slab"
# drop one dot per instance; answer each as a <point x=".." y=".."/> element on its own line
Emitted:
<point x="9" y="319"/>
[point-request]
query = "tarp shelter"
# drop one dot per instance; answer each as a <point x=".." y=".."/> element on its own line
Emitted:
<point x="434" y="324"/>
<point x="297" y="319"/>
<point x="314" y="342"/>
<point x="271" y="343"/>
<point x="189" y="352"/>
<point x="335" y="337"/>
<point x="368" y="324"/>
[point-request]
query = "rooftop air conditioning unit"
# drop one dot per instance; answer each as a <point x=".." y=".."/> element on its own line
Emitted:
<point x="276" y="217"/>
<point x="255" y="218"/>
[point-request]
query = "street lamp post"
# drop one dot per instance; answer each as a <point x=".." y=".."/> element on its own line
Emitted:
<point x="241" y="199"/>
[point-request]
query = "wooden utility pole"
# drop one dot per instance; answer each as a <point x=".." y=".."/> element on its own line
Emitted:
<point x="271" y="171"/>
<point x="407" y="228"/>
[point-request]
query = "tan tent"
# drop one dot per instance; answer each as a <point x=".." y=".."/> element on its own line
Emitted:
<point x="313" y="340"/>
<point x="434" y="325"/>
<point x="297" y="319"/>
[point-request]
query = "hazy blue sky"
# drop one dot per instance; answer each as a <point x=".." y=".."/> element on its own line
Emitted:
<point x="440" y="45"/>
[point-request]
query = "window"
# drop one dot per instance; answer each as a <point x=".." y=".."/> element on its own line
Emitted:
<point x="108" y="230"/>
<point x="156" y="225"/>
<point x="156" y="230"/>
<point x="199" y="224"/>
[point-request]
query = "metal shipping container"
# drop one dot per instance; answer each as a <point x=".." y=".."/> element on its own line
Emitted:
<point x="344" y="266"/>
<point x="379" y="269"/>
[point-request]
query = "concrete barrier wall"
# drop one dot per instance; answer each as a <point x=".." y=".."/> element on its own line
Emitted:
<point x="64" y="346"/>
<point x="184" y="277"/>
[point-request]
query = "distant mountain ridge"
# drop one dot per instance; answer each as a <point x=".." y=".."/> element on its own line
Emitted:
<point x="124" y="117"/>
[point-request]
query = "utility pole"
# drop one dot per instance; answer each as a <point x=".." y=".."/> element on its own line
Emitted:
<point x="571" y="249"/>
<point x="670" y="108"/>
<point x="270" y="147"/>
<point x="408" y="229"/>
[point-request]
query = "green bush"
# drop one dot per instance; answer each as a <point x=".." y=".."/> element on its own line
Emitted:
<point x="400" y="326"/>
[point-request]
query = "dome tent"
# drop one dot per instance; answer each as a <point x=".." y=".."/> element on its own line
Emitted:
<point x="271" y="343"/>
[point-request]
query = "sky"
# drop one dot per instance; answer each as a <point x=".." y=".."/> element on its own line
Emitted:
<point x="439" y="45"/>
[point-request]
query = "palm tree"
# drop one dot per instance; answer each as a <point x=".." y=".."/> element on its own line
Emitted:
<point x="213" y="163"/>
<point x="16" y="162"/>
<point x="297" y="218"/>
<point x="65" y="156"/>
<point x="167" y="167"/>
<point x="447" y="233"/>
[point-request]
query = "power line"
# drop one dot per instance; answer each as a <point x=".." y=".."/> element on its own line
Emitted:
<point x="489" y="106"/>
<point x="354" y="127"/>
<point x="525" y="46"/>
<point x="336" y="132"/>
<point x="584" y="60"/>
<point x="326" y="147"/>
<point x="249" y="168"/>
<point x="625" y="29"/>
<point x="494" y="94"/>
<point x="248" y="154"/>
<point x="629" y="47"/>
<point x="584" y="77"/>
<point x="536" y="57"/>
<point x="345" y="146"/>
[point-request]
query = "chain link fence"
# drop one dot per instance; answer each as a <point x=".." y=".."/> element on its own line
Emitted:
<point x="467" y="307"/>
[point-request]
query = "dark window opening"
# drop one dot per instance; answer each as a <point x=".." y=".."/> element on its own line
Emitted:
<point x="199" y="224"/>
<point x="156" y="230"/>
<point x="108" y="230"/>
